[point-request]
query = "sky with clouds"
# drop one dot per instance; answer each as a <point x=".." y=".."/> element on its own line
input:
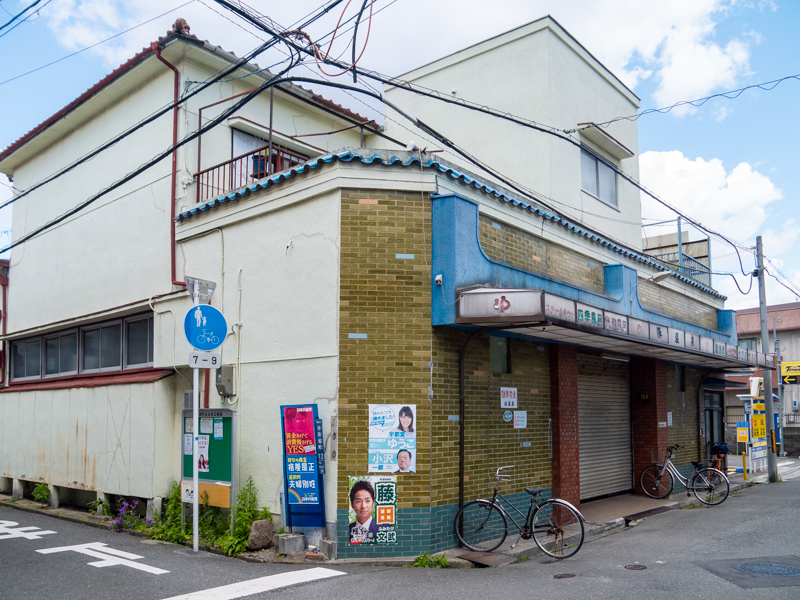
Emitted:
<point x="730" y="164"/>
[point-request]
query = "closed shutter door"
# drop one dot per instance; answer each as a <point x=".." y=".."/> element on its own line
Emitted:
<point x="604" y="426"/>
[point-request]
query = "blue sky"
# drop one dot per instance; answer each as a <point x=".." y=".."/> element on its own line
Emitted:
<point x="730" y="164"/>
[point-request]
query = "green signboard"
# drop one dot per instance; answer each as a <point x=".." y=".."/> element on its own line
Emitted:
<point x="216" y="449"/>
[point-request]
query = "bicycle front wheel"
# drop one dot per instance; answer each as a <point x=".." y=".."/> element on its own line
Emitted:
<point x="711" y="486"/>
<point x="481" y="526"/>
<point x="654" y="484"/>
<point x="557" y="529"/>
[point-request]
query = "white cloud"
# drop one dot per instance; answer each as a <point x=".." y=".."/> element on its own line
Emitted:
<point x="735" y="203"/>
<point x="671" y="41"/>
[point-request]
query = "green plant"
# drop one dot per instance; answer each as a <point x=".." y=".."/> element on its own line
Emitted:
<point x="168" y="528"/>
<point x="213" y="523"/>
<point x="41" y="493"/>
<point x="100" y="506"/>
<point x="427" y="561"/>
<point x="244" y="513"/>
<point x="523" y="558"/>
<point x="265" y="514"/>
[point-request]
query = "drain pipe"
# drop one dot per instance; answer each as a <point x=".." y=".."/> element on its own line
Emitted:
<point x="461" y="404"/>
<point x="4" y="319"/>
<point x="177" y="88"/>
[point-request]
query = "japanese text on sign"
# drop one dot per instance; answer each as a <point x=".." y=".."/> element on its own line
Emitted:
<point x="392" y="438"/>
<point x="508" y="397"/>
<point x="373" y="510"/>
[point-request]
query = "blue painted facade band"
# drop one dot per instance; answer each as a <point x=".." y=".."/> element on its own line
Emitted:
<point x="457" y="255"/>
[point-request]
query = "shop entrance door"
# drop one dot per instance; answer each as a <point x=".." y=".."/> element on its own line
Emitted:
<point x="714" y="421"/>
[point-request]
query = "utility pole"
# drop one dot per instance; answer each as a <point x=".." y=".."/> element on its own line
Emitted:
<point x="772" y="461"/>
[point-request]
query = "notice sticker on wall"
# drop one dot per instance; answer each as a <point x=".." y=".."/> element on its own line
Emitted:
<point x="187" y="444"/>
<point x="217" y="429"/>
<point x="508" y="397"/>
<point x="206" y="425"/>
<point x="520" y="419"/>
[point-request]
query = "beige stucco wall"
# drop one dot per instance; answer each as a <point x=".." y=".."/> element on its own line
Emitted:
<point x="538" y="73"/>
<point x="284" y="254"/>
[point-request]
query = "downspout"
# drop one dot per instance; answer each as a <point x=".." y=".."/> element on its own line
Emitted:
<point x="157" y="49"/>
<point x="4" y="319"/>
<point x="461" y="404"/>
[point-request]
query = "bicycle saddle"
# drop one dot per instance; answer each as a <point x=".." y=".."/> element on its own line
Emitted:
<point x="698" y="465"/>
<point x="534" y="491"/>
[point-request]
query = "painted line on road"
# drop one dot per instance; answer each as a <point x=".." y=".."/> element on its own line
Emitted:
<point x="262" y="584"/>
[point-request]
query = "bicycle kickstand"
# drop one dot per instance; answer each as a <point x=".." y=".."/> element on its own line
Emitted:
<point x="514" y="545"/>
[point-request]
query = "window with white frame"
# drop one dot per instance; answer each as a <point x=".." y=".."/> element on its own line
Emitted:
<point x="598" y="178"/>
<point x="125" y="343"/>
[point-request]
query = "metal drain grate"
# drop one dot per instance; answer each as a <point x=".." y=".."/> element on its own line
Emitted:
<point x="771" y="569"/>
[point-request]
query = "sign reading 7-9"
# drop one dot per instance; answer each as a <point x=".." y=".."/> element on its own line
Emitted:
<point x="790" y="373"/>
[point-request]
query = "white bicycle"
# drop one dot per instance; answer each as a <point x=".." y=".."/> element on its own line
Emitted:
<point x="710" y="486"/>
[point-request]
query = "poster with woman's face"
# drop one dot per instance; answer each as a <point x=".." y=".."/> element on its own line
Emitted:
<point x="392" y="438"/>
<point x="298" y="425"/>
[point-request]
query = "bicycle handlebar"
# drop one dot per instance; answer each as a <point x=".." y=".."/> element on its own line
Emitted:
<point x="499" y="476"/>
<point x="674" y="447"/>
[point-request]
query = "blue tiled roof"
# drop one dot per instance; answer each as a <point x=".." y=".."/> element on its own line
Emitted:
<point x="462" y="177"/>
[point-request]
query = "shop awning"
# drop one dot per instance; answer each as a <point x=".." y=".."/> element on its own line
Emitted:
<point x="549" y="317"/>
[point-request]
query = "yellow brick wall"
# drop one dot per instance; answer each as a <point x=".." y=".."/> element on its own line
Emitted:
<point x="388" y="299"/>
<point x="655" y="298"/>
<point x="520" y="249"/>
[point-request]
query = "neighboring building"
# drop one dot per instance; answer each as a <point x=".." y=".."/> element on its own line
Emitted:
<point x="356" y="275"/>
<point x="786" y="319"/>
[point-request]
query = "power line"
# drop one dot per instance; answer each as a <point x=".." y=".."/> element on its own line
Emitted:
<point x="732" y="95"/>
<point x="243" y="12"/>
<point x="156" y="159"/>
<point x="164" y="110"/>
<point x="36" y="12"/>
<point x="18" y="15"/>
<point x="781" y="273"/>
<point x="791" y="289"/>
<point x="116" y="35"/>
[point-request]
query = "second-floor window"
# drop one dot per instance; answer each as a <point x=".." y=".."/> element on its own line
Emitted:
<point x="750" y="344"/>
<point x="110" y="346"/>
<point x="598" y="178"/>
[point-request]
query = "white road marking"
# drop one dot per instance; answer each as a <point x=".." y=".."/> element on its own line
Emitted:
<point x="20" y="532"/>
<point x="262" y="584"/>
<point x="109" y="557"/>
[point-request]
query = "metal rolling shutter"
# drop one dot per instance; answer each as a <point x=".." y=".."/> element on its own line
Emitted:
<point x="604" y="426"/>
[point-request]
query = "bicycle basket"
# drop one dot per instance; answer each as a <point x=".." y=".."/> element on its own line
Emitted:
<point x="720" y="448"/>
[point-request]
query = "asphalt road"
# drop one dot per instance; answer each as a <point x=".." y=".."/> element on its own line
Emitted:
<point x="758" y="522"/>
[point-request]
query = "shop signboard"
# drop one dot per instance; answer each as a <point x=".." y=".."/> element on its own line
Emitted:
<point x="303" y="484"/>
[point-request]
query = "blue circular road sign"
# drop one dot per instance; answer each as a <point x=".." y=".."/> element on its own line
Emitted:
<point x="205" y="327"/>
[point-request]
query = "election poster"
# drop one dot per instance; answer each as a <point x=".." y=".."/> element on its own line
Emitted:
<point x="298" y="422"/>
<point x="303" y="482"/>
<point x="392" y="438"/>
<point x="373" y="509"/>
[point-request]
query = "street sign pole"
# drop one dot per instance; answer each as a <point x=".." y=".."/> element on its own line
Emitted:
<point x="205" y="330"/>
<point x="196" y="435"/>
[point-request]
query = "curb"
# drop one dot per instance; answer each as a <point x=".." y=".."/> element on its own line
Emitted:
<point x="50" y="513"/>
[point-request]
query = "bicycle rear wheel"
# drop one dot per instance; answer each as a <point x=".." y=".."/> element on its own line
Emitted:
<point x="557" y="529"/>
<point x="654" y="484"/>
<point x="711" y="486"/>
<point x="481" y="526"/>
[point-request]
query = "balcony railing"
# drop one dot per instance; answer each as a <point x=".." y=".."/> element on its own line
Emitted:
<point x="691" y="267"/>
<point x="243" y="170"/>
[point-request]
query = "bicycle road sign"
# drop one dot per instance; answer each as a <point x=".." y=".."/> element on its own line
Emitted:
<point x="205" y="327"/>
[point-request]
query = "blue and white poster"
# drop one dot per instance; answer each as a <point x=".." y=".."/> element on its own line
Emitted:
<point x="392" y="438"/>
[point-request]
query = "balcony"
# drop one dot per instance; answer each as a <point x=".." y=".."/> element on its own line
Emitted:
<point x="243" y="170"/>
<point x="686" y="265"/>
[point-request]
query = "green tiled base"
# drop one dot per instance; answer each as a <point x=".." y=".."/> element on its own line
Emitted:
<point x="420" y="530"/>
